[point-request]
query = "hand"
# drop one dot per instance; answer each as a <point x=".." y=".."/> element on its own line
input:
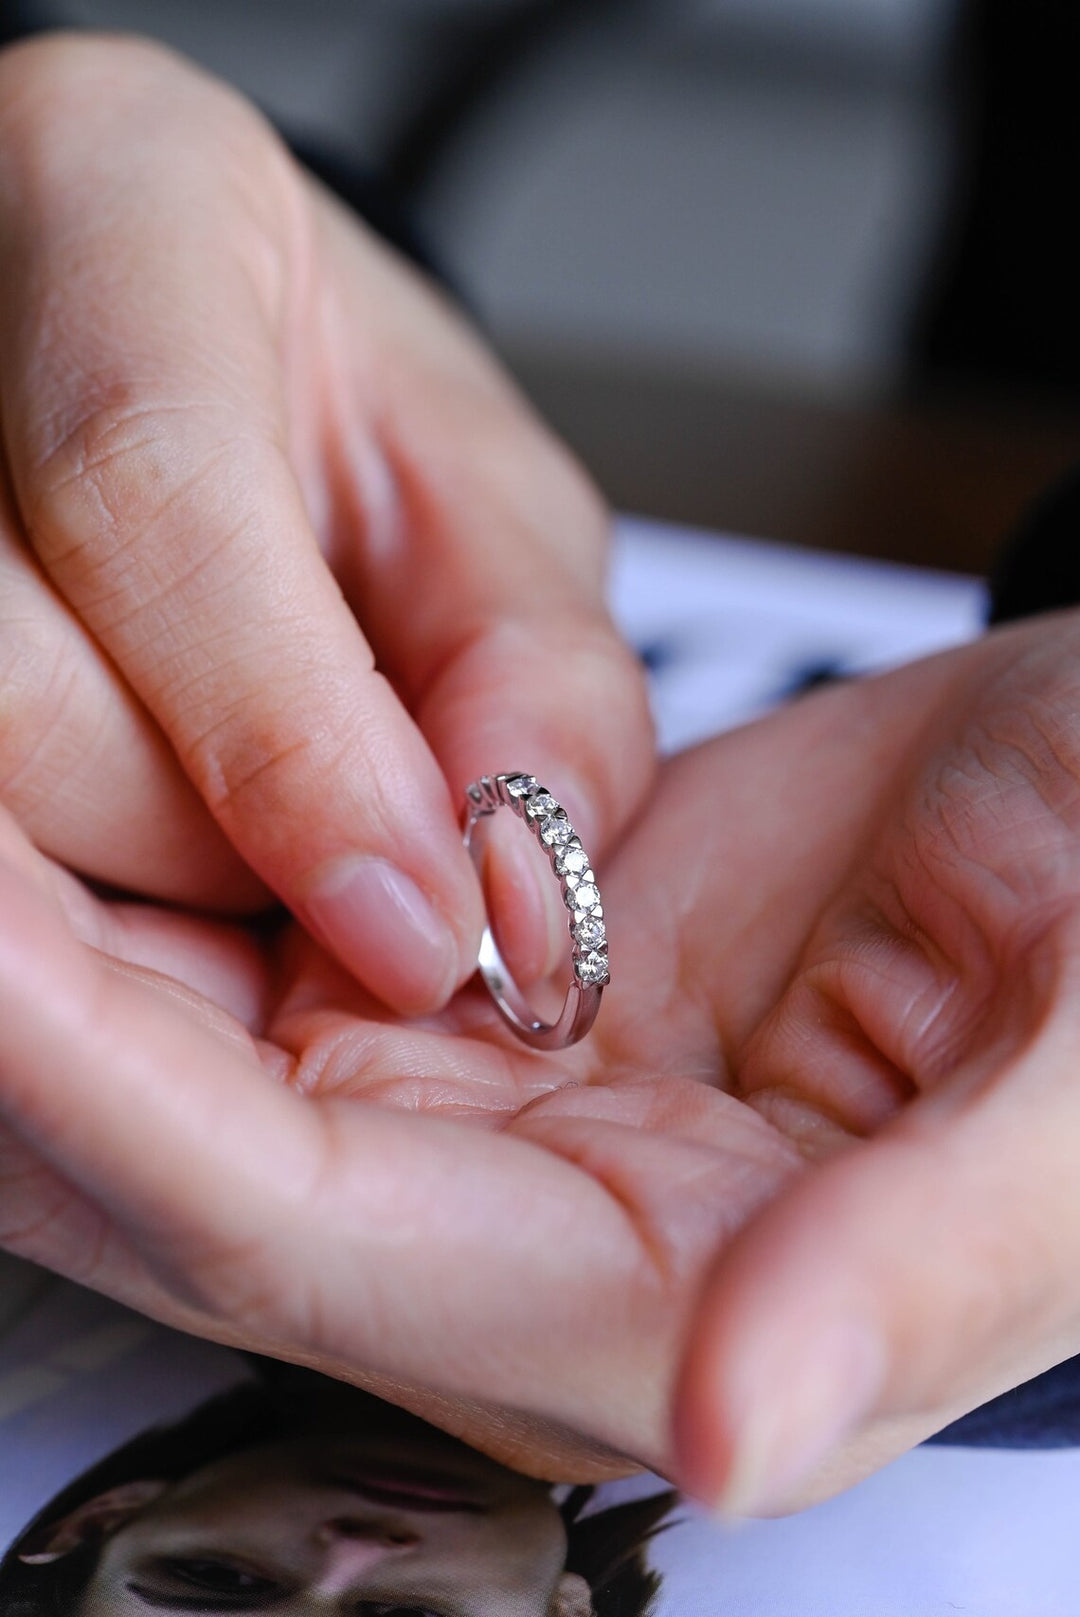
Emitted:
<point x="822" y="1132"/>
<point x="283" y="552"/>
<point x="237" y="1140"/>
<point x="905" y="1008"/>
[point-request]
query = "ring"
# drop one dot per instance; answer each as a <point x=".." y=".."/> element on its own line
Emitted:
<point x="547" y="820"/>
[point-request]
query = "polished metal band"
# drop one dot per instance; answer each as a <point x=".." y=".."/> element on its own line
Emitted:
<point x="547" y="820"/>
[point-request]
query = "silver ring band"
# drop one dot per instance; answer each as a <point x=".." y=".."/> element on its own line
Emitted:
<point x="547" y="820"/>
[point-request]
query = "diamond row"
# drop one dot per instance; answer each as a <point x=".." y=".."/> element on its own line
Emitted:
<point x="548" y="821"/>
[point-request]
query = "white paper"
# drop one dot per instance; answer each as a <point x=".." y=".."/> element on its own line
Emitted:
<point x="740" y="621"/>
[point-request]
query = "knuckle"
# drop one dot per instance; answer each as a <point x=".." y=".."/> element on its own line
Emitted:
<point x="123" y="476"/>
<point x="98" y="472"/>
<point x="994" y="822"/>
<point x="1001" y="817"/>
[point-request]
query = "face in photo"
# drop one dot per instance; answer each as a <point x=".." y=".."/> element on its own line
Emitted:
<point x="299" y="1497"/>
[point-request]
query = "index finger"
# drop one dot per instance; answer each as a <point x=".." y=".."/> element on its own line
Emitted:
<point x="152" y="453"/>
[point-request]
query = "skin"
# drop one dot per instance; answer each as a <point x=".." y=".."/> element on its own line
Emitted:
<point x="289" y="1528"/>
<point x="806" y="1193"/>
<point x="248" y="459"/>
<point x="808" y="1190"/>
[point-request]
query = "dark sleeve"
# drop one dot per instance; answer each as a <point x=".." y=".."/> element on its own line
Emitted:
<point x="1038" y="569"/>
<point x="1039" y="1414"/>
<point x="20" y="18"/>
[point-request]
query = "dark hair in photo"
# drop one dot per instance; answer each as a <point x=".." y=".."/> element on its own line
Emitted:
<point x="605" y="1547"/>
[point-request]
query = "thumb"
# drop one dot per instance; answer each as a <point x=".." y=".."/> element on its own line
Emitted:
<point x="903" y="1283"/>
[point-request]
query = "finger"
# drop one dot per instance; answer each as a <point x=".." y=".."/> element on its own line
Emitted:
<point x="151" y="452"/>
<point x="903" y="1283"/>
<point x="220" y="965"/>
<point x="330" y="1234"/>
<point x="83" y="767"/>
<point x="463" y="497"/>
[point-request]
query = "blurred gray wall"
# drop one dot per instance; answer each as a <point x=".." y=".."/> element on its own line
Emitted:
<point x="744" y="187"/>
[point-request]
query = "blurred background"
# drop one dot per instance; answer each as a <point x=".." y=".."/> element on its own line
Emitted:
<point x="794" y="268"/>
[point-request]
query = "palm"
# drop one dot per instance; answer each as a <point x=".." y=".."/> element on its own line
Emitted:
<point x="537" y="1239"/>
<point x="609" y="1175"/>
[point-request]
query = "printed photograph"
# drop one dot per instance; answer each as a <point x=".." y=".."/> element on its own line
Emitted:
<point x="298" y="1496"/>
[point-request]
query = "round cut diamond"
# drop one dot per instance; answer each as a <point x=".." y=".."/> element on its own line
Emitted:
<point x="572" y="862"/>
<point x="521" y="785"/>
<point x="584" y="897"/>
<point x="555" y="832"/>
<point x="540" y="805"/>
<point x="592" y="968"/>
<point x="589" y="933"/>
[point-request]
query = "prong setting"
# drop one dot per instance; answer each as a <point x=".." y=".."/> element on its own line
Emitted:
<point x="541" y="812"/>
<point x="550" y="824"/>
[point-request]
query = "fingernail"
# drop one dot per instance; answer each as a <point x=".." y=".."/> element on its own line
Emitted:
<point x="380" y="925"/>
<point x="795" y="1416"/>
<point x="526" y="905"/>
<point x="579" y="802"/>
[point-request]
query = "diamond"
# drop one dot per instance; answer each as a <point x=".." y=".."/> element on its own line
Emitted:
<point x="541" y="805"/>
<point x="521" y="785"/>
<point x="572" y="861"/>
<point x="585" y="897"/>
<point x="589" y="933"/>
<point x="592" y="968"/>
<point x="556" y="832"/>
